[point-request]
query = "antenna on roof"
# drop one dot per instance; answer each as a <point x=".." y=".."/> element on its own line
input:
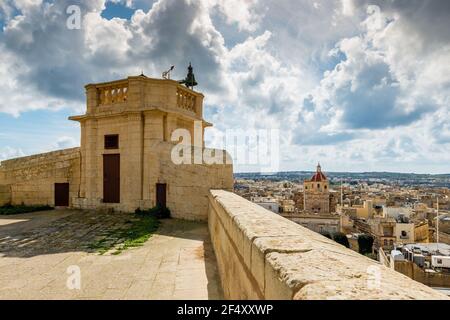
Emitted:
<point x="437" y="224"/>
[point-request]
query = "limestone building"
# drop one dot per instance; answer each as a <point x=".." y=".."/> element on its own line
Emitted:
<point x="316" y="193"/>
<point x="125" y="159"/>
<point x="316" y="212"/>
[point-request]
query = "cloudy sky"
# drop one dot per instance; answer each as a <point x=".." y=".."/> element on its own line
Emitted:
<point x="359" y="85"/>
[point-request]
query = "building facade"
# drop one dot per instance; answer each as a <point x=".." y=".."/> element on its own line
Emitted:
<point x="268" y="203"/>
<point x="316" y="193"/>
<point x="315" y="213"/>
<point x="318" y="223"/>
<point x="126" y="156"/>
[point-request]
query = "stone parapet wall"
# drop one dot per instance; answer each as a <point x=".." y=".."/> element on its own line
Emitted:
<point x="262" y="255"/>
<point x="39" y="159"/>
<point x="31" y="179"/>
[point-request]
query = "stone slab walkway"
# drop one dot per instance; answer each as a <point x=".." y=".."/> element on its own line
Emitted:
<point x="41" y="254"/>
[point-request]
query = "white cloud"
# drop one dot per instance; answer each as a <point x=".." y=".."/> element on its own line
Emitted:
<point x="241" y="12"/>
<point x="65" y="142"/>
<point x="127" y="3"/>
<point x="9" y="153"/>
<point x="17" y="97"/>
<point x="382" y="82"/>
<point x="348" y="9"/>
<point x="338" y="77"/>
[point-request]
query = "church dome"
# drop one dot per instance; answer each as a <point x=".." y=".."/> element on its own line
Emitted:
<point x="318" y="176"/>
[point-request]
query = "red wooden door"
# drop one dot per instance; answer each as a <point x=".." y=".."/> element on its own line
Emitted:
<point x="111" y="178"/>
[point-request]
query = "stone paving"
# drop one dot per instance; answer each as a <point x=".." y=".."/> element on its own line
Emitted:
<point x="39" y="251"/>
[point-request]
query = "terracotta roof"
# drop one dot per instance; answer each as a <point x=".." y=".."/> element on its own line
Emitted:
<point x="318" y="176"/>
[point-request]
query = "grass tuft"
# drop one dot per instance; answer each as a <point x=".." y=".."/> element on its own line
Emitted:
<point x="135" y="235"/>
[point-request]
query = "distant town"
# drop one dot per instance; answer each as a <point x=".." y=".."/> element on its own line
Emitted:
<point x="401" y="220"/>
<point x="390" y="178"/>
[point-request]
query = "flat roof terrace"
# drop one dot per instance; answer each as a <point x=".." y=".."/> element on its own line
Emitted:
<point x="38" y="252"/>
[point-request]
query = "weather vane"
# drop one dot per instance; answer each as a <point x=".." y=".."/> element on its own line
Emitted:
<point x="166" y="74"/>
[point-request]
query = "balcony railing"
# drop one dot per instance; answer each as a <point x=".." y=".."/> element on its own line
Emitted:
<point x="113" y="94"/>
<point x="185" y="100"/>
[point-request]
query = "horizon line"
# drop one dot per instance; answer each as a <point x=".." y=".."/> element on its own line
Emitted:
<point x="340" y="172"/>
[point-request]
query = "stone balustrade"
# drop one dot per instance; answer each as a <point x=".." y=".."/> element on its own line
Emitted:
<point x="113" y="94"/>
<point x="142" y="93"/>
<point x="185" y="99"/>
<point x="262" y="255"/>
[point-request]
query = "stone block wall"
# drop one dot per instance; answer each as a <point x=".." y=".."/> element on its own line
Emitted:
<point x="188" y="185"/>
<point x="31" y="179"/>
<point x="262" y="255"/>
<point x="5" y="194"/>
<point x="410" y="269"/>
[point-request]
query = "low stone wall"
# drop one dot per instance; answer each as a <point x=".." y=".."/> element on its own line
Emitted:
<point x="262" y="255"/>
<point x="5" y="194"/>
<point x="384" y="260"/>
<point x="31" y="179"/>
<point x="410" y="269"/>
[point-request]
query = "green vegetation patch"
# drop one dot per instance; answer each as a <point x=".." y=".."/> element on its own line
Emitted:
<point x="134" y="234"/>
<point x="157" y="212"/>
<point x="10" y="209"/>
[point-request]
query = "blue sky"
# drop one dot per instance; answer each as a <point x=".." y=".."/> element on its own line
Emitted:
<point x="117" y="10"/>
<point x="358" y="85"/>
<point x="38" y="130"/>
